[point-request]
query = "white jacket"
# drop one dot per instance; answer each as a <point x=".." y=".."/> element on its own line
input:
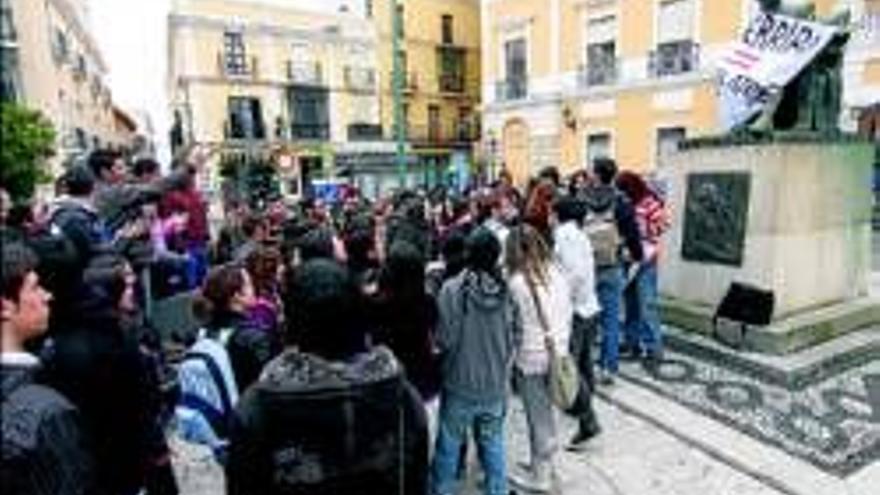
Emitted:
<point x="574" y="253"/>
<point x="531" y="355"/>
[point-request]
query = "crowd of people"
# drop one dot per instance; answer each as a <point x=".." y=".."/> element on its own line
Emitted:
<point x="359" y="347"/>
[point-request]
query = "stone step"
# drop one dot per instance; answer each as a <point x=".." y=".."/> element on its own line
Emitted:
<point x="794" y="371"/>
<point x="785" y="335"/>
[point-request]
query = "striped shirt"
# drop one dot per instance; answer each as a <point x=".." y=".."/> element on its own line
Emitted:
<point x="653" y="222"/>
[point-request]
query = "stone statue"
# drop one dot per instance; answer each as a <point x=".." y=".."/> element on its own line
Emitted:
<point x="810" y="102"/>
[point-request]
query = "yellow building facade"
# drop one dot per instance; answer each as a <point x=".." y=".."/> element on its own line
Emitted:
<point x="567" y="80"/>
<point x="269" y="76"/>
<point x="441" y="63"/>
<point x="52" y="63"/>
<point x="267" y="79"/>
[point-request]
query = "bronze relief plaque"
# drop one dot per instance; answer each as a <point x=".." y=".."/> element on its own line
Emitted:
<point x="715" y="217"/>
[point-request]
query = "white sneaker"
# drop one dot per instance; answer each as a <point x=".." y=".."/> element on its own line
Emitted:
<point x="537" y="479"/>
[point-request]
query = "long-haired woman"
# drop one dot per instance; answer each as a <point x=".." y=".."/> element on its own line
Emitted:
<point x="223" y="305"/>
<point x="541" y="294"/>
<point x="642" y="322"/>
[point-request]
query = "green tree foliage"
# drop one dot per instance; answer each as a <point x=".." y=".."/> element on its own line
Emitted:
<point x="27" y="140"/>
<point x="250" y="178"/>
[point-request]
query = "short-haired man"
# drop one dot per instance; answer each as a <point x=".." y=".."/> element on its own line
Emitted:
<point x="43" y="448"/>
<point x="609" y="211"/>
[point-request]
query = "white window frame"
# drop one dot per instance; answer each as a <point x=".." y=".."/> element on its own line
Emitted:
<point x="513" y="35"/>
<point x="519" y="29"/>
<point x="667" y="124"/>
<point x="696" y="31"/>
<point x="589" y="15"/>
<point x="595" y="131"/>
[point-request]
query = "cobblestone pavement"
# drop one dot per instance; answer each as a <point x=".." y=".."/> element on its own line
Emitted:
<point x="830" y="424"/>
<point x="630" y="457"/>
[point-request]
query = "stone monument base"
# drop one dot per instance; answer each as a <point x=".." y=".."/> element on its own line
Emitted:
<point x="789" y="216"/>
<point x="786" y="335"/>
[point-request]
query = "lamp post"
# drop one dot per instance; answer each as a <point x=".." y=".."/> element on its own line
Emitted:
<point x="397" y="93"/>
<point x="492" y="149"/>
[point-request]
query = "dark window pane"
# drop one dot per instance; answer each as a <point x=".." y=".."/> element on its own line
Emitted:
<point x="246" y="118"/>
<point x="447" y="29"/>
<point x="309" y="110"/>
<point x="7" y="24"/>
<point x="516" y="69"/>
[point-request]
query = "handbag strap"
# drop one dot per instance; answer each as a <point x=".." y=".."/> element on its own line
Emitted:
<point x="542" y="317"/>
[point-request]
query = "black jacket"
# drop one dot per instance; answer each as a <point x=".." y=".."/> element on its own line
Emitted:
<point x="80" y="223"/>
<point x="98" y="365"/>
<point x="313" y="426"/>
<point x="44" y="450"/>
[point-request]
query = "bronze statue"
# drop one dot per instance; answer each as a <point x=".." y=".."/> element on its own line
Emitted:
<point x="810" y="102"/>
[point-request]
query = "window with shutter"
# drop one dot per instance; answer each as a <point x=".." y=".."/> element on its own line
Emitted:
<point x="516" y="68"/>
<point x="598" y="145"/>
<point x="676" y="52"/>
<point x="675" y="21"/>
<point x="601" y="58"/>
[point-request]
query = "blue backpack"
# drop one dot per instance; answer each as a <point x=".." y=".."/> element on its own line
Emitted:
<point x="208" y="393"/>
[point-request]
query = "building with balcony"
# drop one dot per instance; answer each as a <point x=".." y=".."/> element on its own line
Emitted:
<point x="440" y="52"/>
<point x="267" y="79"/>
<point x="565" y="81"/>
<point x="52" y="63"/>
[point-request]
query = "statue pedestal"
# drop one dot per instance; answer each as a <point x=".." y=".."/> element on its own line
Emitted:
<point x="789" y="217"/>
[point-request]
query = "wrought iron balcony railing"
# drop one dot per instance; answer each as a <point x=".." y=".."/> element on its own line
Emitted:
<point x="318" y="132"/>
<point x="512" y="89"/>
<point x="673" y="58"/>
<point x="451" y="83"/>
<point x="601" y="73"/>
<point x="248" y="68"/>
<point x="447" y="133"/>
<point x="360" y="78"/>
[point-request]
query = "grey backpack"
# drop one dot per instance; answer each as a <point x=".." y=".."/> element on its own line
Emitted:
<point x="601" y="228"/>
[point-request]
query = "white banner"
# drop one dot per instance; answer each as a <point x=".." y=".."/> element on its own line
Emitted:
<point x="771" y="52"/>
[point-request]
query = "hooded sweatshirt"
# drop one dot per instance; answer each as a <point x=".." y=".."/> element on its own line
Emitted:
<point x="476" y="336"/>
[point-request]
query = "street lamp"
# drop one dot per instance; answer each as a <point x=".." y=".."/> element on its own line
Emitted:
<point x="492" y="143"/>
<point x="397" y="92"/>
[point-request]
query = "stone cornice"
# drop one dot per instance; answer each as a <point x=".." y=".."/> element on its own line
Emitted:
<point x="261" y="28"/>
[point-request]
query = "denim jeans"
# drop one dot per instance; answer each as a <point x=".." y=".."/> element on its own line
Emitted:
<point x="486" y="419"/>
<point x="197" y="267"/>
<point x="609" y="289"/>
<point x="642" y="324"/>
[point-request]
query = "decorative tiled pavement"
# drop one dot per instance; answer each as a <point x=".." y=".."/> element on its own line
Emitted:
<point x="831" y="423"/>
